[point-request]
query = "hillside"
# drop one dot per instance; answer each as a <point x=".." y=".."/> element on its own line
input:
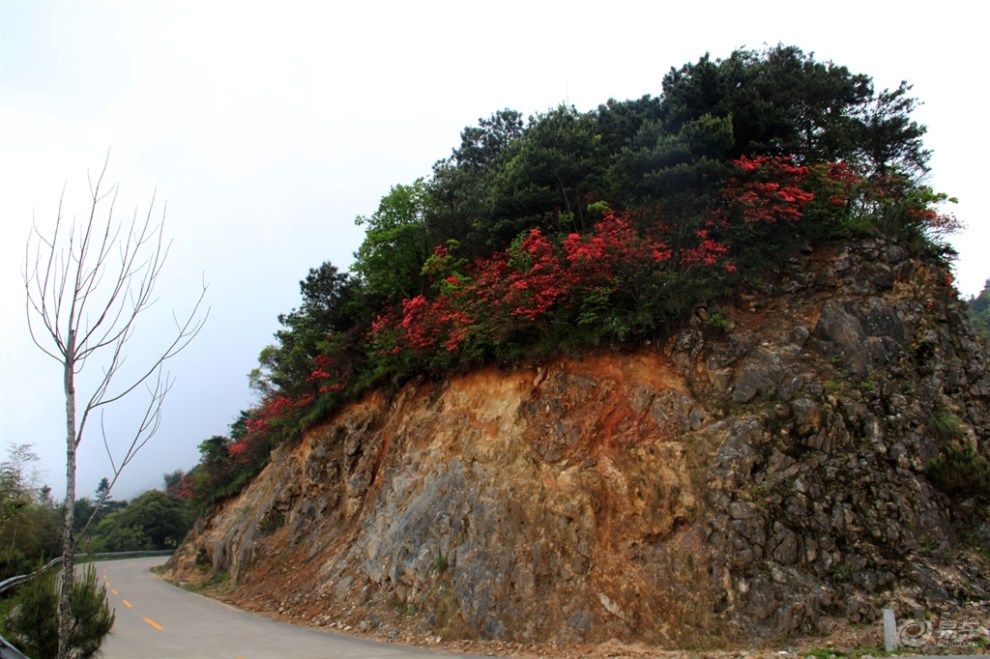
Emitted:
<point x="811" y="448"/>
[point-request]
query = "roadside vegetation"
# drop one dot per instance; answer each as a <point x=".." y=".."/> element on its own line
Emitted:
<point x="31" y="535"/>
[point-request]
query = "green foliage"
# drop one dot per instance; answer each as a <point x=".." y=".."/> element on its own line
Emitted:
<point x="781" y="101"/>
<point x="154" y="520"/>
<point x="332" y="305"/>
<point x="30" y="528"/>
<point x="33" y="621"/>
<point x="979" y="310"/>
<point x="961" y="472"/>
<point x="719" y="320"/>
<point x="945" y="426"/>
<point x="462" y="188"/>
<point x="395" y="244"/>
<point x="552" y="170"/>
<point x="218" y="474"/>
<point x="173" y="482"/>
<point x="679" y="168"/>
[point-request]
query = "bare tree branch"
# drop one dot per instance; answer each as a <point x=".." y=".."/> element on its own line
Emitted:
<point x="86" y="287"/>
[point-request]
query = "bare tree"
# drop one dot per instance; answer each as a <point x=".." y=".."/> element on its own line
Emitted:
<point x="87" y="284"/>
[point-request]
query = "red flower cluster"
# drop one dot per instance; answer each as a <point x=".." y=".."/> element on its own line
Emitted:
<point x="517" y="287"/>
<point x="766" y="190"/>
<point x="707" y="252"/>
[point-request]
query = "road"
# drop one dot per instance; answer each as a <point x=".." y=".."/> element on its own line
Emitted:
<point x="158" y="620"/>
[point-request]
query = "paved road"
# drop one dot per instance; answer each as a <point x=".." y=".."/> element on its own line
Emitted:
<point x="156" y="619"/>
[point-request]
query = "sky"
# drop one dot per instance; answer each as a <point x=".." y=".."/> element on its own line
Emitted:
<point x="261" y="130"/>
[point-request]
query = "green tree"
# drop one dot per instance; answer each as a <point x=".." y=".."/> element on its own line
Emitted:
<point x="889" y="139"/>
<point x="783" y="102"/>
<point x="90" y="512"/>
<point x="553" y="171"/>
<point x="215" y="473"/>
<point x="395" y="243"/>
<point x="103" y="492"/>
<point x="84" y="515"/>
<point x="33" y="624"/>
<point x="678" y="170"/>
<point x="618" y="122"/>
<point x="153" y="520"/>
<point x="462" y="189"/>
<point x="28" y="519"/>
<point x="482" y="145"/>
<point x="332" y="304"/>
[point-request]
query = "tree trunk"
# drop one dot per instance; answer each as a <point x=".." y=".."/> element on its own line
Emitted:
<point x="68" y="541"/>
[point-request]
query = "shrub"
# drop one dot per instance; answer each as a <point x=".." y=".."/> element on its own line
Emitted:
<point x="33" y="621"/>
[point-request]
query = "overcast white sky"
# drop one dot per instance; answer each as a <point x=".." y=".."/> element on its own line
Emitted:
<point x="267" y="127"/>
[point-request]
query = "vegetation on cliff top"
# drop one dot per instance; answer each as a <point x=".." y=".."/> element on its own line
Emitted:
<point x="575" y="229"/>
<point x="979" y="310"/>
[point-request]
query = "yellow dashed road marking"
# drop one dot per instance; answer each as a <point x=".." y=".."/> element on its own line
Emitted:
<point x="154" y="624"/>
<point x="127" y="604"/>
<point x="113" y="590"/>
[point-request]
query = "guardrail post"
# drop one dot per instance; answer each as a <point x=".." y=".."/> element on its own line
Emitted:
<point x="889" y="630"/>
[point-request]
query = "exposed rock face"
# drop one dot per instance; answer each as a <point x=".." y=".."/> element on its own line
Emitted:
<point x="764" y="468"/>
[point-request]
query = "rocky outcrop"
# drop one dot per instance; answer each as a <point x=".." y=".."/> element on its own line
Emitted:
<point x="774" y="463"/>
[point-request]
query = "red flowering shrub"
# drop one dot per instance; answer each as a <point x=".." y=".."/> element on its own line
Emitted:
<point x="518" y="289"/>
<point x="633" y="272"/>
<point x="763" y="191"/>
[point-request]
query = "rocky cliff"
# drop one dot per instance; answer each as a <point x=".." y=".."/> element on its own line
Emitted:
<point x="815" y="447"/>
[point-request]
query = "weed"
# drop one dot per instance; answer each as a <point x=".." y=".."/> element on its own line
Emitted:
<point x="833" y="386"/>
<point x="219" y="581"/>
<point x="960" y="472"/>
<point x="945" y="426"/>
<point x="927" y="546"/>
<point x="718" y="320"/>
<point x="761" y="495"/>
<point x="841" y="571"/>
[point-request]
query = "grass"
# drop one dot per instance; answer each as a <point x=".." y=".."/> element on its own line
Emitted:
<point x="945" y="426"/>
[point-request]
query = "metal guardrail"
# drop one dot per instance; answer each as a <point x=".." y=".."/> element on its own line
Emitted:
<point x="6" y="584"/>
<point x="8" y="651"/>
